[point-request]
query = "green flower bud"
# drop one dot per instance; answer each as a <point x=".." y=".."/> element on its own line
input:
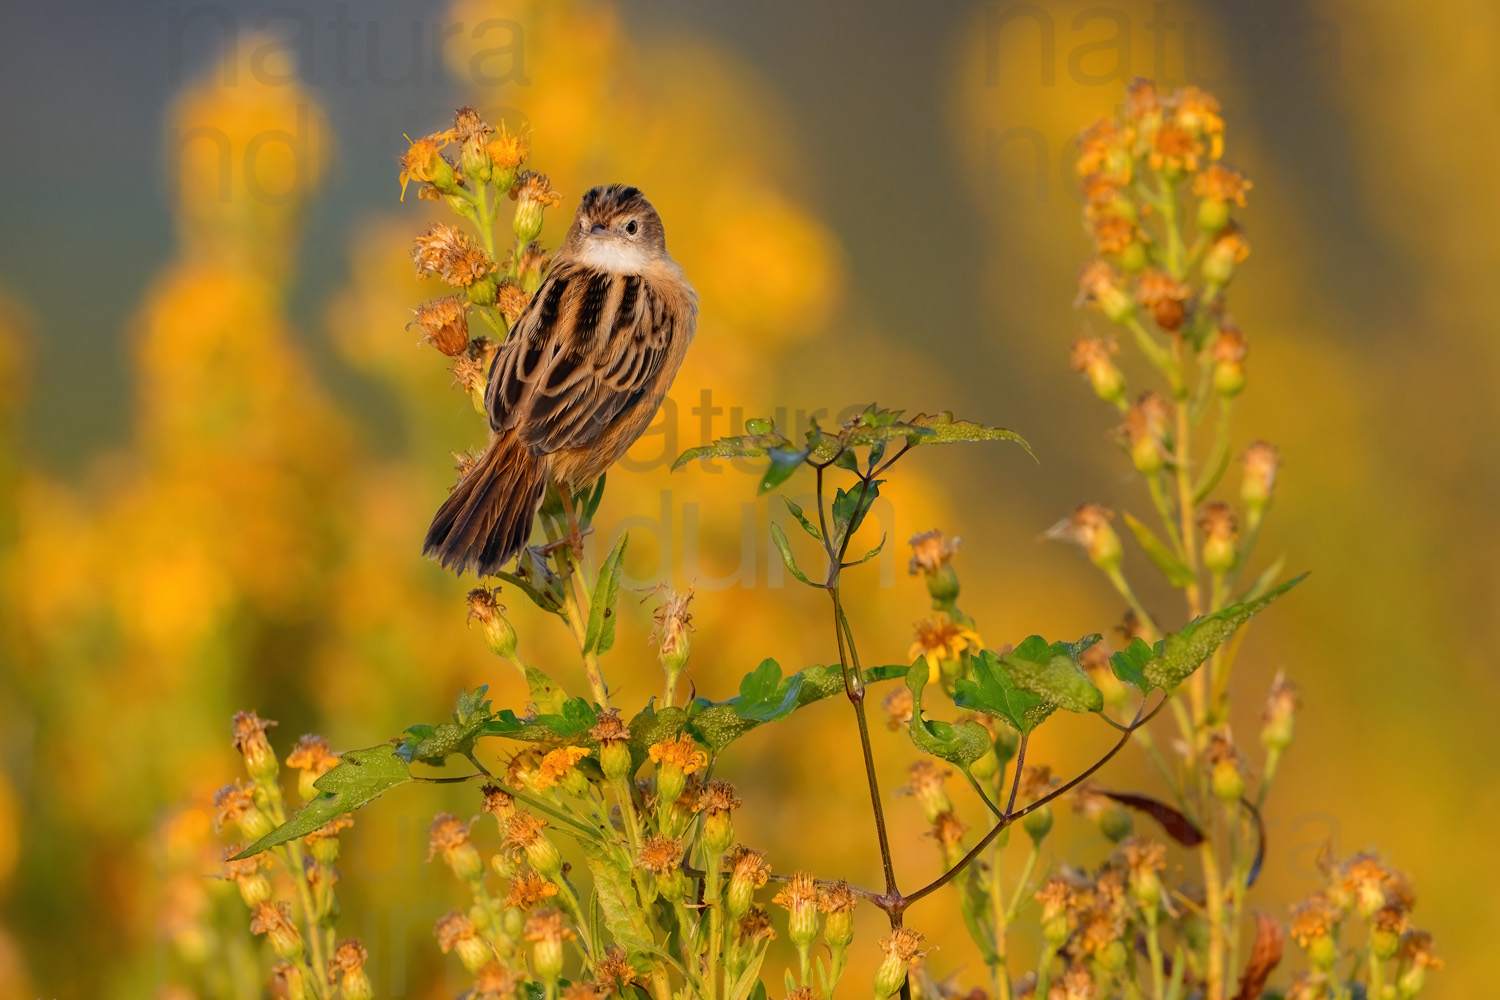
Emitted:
<point x="1038" y="822"/>
<point x="499" y="635"/>
<point x="1134" y="258"/>
<point x="1116" y="823"/>
<point x="1228" y="782"/>
<point x="902" y="950"/>
<point x="1213" y="215"/>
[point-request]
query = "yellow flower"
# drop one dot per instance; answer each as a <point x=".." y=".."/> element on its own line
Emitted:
<point x="940" y="639"/>
<point x="555" y="765"/>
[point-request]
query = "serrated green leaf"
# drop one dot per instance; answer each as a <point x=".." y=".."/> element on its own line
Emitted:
<point x="764" y="696"/>
<point x="719" y="724"/>
<point x="546" y="695"/>
<point x="994" y="693"/>
<point x="942" y="428"/>
<point x="575" y="719"/>
<point x="1177" y="572"/>
<point x="807" y="526"/>
<point x="600" y="637"/>
<point x="778" y="538"/>
<point x="1184" y="651"/>
<point x="434" y="743"/>
<point x="762" y="437"/>
<point x="784" y="462"/>
<point x="1129" y="664"/>
<point x="359" y="777"/>
<point x="1051" y="671"/>
<point x="613" y="889"/>
<point x="962" y="743"/>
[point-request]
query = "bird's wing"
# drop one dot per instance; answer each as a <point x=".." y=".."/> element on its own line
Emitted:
<point x="588" y="348"/>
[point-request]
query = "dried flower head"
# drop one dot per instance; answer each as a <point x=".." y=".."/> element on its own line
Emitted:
<point x="1416" y="950"/>
<point x="837" y="898"/>
<point x="469" y="375"/>
<point x="286" y="981"/>
<point x="274" y="920"/>
<point x="528" y="890"/>
<point x="1221" y="183"/>
<point x="444" y="323"/>
<point x="250" y="734"/>
<point x="1313" y="918"/>
<point x="1141" y="99"/>
<point x="1261" y="462"/>
<point x="930" y="552"/>
<point x="1102" y="151"/>
<point x="232" y="803"/>
<point x="755" y="926"/>
<point x="1174" y="150"/>
<point x="718" y="798"/>
<point x="609" y="728"/>
<point x="898" y="706"/>
<point x="1099" y="286"/>
<point x="524" y="830"/>
<point x="904" y="945"/>
<point x="511" y="299"/>
<point x="1197" y="111"/>
<point x="471" y="131"/>
<point x="548" y="925"/>
<point x="1164" y="296"/>
<point x="348" y="958"/>
<point x="948" y="830"/>
<point x="1217" y="522"/>
<point x="581" y="990"/>
<point x="661" y="854"/>
<point x="1088" y="526"/>
<point x="1113" y="233"/>
<point x="673" y="624"/>
<point x="1036" y="782"/>
<point x="446" y="833"/>
<point x="748" y="865"/>
<point x="494" y="981"/>
<point x="498" y="802"/>
<point x="800" y="893"/>
<point x="614" y="972"/>
<point x="1056" y="896"/>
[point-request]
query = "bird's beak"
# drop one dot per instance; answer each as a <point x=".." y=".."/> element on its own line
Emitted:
<point x="599" y="231"/>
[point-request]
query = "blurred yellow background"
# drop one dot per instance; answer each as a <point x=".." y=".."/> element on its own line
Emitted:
<point x="875" y="203"/>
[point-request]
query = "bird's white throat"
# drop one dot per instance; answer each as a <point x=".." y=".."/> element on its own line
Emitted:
<point x="613" y="255"/>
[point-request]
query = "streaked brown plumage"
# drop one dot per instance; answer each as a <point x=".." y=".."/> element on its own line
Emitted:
<point x="579" y="378"/>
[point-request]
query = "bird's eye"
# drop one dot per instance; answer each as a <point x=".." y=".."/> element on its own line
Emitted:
<point x="631" y="227"/>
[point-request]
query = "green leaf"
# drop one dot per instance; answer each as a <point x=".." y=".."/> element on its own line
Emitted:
<point x="600" y="636"/>
<point x="941" y="428"/>
<point x="868" y="555"/>
<point x="434" y="743"/>
<point x="1178" y="574"/>
<point x="846" y="459"/>
<point x="784" y="462"/>
<point x="994" y="693"/>
<point x="359" y="777"/>
<point x="1051" y="672"/>
<point x="807" y="526"/>
<point x="719" y="724"/>
<point x="1184" y="651"/>
<point x="849" y="509"/>
<point x="547" y="696"/>
<point x="576" y="718"/>
<point x="613" y="889"/>
<point x="960" y="744"/>
<point x="762" y="436"/>
<point x="1174" y="658"/>
<point x="1129" y="664"/>
<point x="778" y="538"/>
<point x="764" y="696"/>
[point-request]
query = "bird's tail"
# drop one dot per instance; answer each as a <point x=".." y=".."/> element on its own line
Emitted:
<point x="487" y="518"/>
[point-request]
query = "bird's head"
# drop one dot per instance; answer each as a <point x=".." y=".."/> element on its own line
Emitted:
<point x="616" y="230"/>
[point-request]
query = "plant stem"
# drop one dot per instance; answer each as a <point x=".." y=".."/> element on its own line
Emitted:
<point x="1213" y="904"/>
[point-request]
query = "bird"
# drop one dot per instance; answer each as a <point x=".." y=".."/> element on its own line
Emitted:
<point x="577" y="380"/>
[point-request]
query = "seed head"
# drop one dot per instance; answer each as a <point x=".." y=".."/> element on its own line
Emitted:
<point x="661" y="854"/>
<point x="444" y="323"/>
<point x="250" y="740"/>
<point x="614" y="973"/>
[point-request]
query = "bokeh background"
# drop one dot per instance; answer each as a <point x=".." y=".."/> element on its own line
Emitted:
<point x="222" y="445"/>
